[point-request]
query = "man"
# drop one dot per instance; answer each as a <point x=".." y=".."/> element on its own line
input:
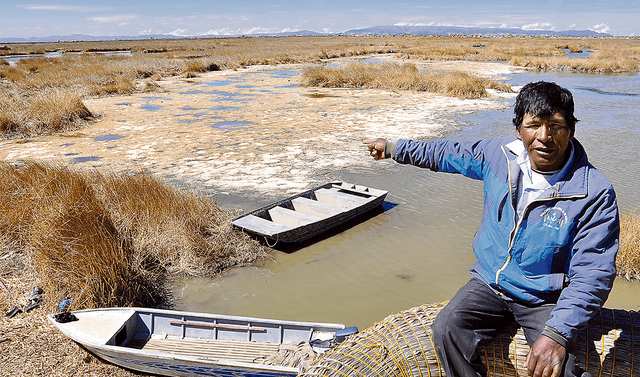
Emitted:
<point x="547" y="242"/>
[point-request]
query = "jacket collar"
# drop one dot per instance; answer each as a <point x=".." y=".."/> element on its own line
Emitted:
<point x="571" y="180"/>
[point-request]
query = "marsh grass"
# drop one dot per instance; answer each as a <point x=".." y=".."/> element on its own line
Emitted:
<point x="112" y="240"/>
<point x="392" y="76"/>
<point x="628" y="261"/>
<point x="42" y="112"/>
<point x="616" y="64"/>
<point x="85" y="72"/>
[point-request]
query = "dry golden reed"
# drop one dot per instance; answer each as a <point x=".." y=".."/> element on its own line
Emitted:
<point x="392" y="76"/>
<point x="111" y="240"/>
<point x="603" y="65"/>
<point x="628" y="260"/>
<point x="41" y="112"/>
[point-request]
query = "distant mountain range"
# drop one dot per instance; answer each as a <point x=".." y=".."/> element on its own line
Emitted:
<point x="461" y="30"/>
<point x="374" y="30"/>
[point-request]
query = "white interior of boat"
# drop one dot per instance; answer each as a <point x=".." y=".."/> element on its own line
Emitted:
<point x="201" y="336"/>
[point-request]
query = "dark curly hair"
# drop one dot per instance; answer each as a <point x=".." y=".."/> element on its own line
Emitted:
<point x="543" y="99"/>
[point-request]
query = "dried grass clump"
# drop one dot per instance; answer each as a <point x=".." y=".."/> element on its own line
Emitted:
<point x="628" y="259"/>
<point x="195" y="66"/>
<point x="175" y="231"/>
<point x="399" y="77"/>
<point x="111" y="240"/>
<point x="46" y="111"/>
<point x="485" y="49"/>
<point x="617" y="64"/>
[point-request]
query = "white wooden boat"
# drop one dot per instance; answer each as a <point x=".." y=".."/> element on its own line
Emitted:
<point x="175" y="343"/>
<point x="300" y="217"/>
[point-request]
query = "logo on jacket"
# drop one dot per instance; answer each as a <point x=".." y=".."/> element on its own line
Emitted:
<point x="554" y="217"/>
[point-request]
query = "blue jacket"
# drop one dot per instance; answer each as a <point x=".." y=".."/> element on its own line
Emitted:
<point x="562" y="250"/>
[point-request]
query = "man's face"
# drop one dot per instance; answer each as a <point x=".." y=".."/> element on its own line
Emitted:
<point x="546" y="140"/>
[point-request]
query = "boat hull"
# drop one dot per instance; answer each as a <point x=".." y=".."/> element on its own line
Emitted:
<point x="183" y="368"/>
<point x="311" y="213"/>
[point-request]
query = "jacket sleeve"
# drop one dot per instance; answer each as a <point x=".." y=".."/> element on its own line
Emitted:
<point x="592" y="266"/>
<point x="467" y="158"/>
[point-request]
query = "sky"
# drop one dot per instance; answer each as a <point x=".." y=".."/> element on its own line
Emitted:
<point x="42" y="18"/>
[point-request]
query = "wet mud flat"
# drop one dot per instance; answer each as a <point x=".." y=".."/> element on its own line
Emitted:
<point x="253" y="131"/>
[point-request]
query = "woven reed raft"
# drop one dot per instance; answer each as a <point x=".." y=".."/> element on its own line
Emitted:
<point x="401" y="346"/>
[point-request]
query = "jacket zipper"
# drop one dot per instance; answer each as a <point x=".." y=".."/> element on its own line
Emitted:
<point x="514" y="230"/>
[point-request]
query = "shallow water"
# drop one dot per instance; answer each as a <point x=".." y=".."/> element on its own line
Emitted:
<point x="419" y="251"/>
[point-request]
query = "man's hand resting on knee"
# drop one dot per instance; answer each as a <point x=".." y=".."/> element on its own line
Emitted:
<point x="546" y="358"/>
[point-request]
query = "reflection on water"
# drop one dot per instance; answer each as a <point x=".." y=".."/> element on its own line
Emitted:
<point x="419" y="251"/>
<point x="577" y="55"/>
<point x="230" y="124"/>
<point x="151" y="107"/>
<point x="600" y="91"/>
<point x="79" y="160"/>
<point x="108" y="137"/>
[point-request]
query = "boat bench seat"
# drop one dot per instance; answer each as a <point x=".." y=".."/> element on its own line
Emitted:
<point x="291" y="218"/>
<point x="260" y="225"/>
<point x="315" y="208"/>
<point x="343" y="199"/>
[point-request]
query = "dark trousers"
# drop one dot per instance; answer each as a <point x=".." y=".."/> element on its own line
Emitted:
<point x="474" y="316"/>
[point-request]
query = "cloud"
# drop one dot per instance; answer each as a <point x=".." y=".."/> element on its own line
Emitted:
<point x="113" y="18"/>
<point x="257" y="30"/>
<point x="413" y="24"/>
<point x="180" y="32"/>
<point x="72" y="8"/>
<point x="601" y="28"/>
<point x="250" y="31"/>
<point x="223" y="31"/>
<point x="538" y="26"/>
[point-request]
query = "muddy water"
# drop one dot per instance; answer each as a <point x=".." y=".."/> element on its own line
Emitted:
<point x="419" y="251"/>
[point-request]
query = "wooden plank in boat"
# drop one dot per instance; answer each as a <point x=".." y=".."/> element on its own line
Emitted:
<point x="291" y="218"/>
<point x="316" y="208"/>
<point x="242" y="351"/>
<point x="336" y="197"/>
<point x="367" y="191"/>
<point x="260" y="225"/>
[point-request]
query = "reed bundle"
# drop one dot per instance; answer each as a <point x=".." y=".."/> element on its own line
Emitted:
<point x="401" y="346"/>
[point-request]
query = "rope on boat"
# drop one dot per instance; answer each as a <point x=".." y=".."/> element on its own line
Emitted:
<point x="274" y="244"/>
<point x="401" y="346"/>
